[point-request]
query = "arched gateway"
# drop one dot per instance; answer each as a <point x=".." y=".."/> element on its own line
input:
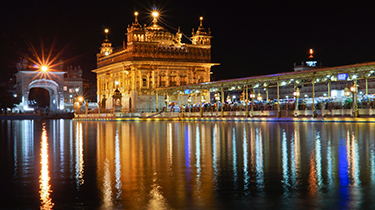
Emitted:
<point x="61" y="86"/>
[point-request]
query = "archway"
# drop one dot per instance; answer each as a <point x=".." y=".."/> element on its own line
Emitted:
<point x="52" y="88"/>
<point x="39" y="99"/>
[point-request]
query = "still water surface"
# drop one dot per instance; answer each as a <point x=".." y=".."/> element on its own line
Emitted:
<point x="65" y="164"/>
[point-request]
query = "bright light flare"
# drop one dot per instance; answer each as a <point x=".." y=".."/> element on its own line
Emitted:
<point x="155" y="14"/>
<point x="80" y="98"/>
<point x="44" y="68"/>
<point x="106" y="30"/>
<point x="136" y="13"/>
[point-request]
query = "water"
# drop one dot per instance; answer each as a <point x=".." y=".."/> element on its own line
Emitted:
<point x="65" y="164"/>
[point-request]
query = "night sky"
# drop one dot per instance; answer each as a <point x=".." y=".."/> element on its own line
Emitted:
<point x="249" y="39"/>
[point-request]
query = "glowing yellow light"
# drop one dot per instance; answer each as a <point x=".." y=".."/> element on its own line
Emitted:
<point x="106" y="30"/>
<point x="44" y="68"/>
<point x="136" y="13"/>
<point x="155" y="14"/>
<point x="201" y="18"/>
<point x="44" y="185"/>
<point x="311" y="51"/>
<point x="80" y="98"/>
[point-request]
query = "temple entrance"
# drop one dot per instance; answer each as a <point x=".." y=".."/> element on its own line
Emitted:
<point x="39" y="99"/>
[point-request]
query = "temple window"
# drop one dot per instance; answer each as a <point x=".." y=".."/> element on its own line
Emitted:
<point x="144" y="82"/>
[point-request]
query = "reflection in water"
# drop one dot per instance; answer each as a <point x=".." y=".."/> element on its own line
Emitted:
<point x="107" y="187"/>
<point x="234" y="158"/>
<point x="44" y="178"/>
<point x="318" y="160"/>
<point x="157" y="200"/>
<point x="284" y="156"/>
<point x="259" y="160"/>
<point x="245" y="163"/>
<point x="198" y="157"/>
<point x="118" y="165"/>
<point x="205" y="165"/>
<point x="79" y="156"/>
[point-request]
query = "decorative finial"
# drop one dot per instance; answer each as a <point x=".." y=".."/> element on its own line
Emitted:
<point x="106" y="33"/>
<point x="201" y="20"/>
<point x="311" y="53"/>
<point x="155" y="14"/>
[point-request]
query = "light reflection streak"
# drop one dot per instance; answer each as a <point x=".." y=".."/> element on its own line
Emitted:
<point x="284" y="156"/>
<point x="62" y="140"/>
<point x="170" y="145"/>
<point x="107" y="187"/>
<point x="312" y="187"/>
<point x="293" y="166"/>
<point x="44" y="178"/>
<point x="234" y="153"/>
<point x="245" y="162"/>
<point x="318" y="160"/>
<point x="354" y="170"/>
<point x="259" y="160"/>
<point x="355" y="167"/>
<point x="329" y="164"/>
<point x="215" y="133"/>
<point x="188" y="153"/>
<point x="118" y="165"/>
<point x="297" y="158"/>
<point x="15" y="160"/>
<point x="71" y="153"/>
<point x="198" y="157"/>
<point x="79" y="156"/>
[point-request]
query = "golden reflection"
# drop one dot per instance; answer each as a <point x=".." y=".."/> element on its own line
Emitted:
<point x="107" y="187"/>
<point x="312" y="187"/>
<point x="45" y="187"/>
<point x="157" y="200"/>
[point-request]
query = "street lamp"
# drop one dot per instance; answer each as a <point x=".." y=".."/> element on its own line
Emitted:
<point x="347" y="92"/>
<point x="78" y="101"/>
<point x="296" y="94"/>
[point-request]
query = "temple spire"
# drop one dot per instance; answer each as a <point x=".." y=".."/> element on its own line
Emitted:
<point x="136" y="17"/>
<point x="311" y="53"/>
<point x="106" y="48"/>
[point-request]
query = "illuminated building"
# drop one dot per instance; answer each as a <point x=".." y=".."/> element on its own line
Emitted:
<point x="151" y="58"/>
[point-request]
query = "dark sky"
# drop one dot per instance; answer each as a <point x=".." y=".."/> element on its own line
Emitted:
<point x="249" y="37"/>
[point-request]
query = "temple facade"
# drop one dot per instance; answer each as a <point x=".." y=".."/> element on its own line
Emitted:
<point x="151" y="58"/>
